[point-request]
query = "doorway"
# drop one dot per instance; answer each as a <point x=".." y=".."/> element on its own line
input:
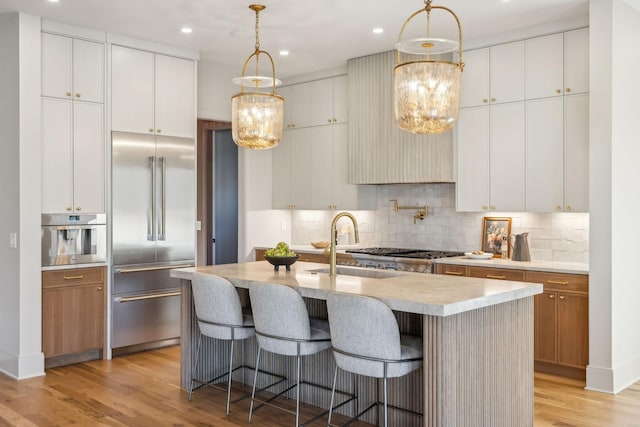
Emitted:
<point x="210" y="134"/>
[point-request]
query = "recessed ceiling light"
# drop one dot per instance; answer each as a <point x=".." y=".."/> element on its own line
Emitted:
<point x="186" y="30"/>
<point x="54" y="1"/>
<point x="284" y="53"/>
<point x="378" y="30"/>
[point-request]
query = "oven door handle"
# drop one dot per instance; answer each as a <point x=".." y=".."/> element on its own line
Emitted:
<point x="148" y="297"/>
<point x="142" y="269"/>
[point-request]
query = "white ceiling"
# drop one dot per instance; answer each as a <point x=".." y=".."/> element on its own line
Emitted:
<point x="319" y="34"/>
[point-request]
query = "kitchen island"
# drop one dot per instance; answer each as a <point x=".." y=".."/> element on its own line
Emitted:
<point x="477" y="334"/>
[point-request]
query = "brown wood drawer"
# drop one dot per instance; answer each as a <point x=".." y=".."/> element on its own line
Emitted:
<point x="259" y="254"/>
<point x="313" y="258"/>
<point x="559" y="281"/>
<point x="451" y="270"/>
<point x="496" y="273"/>
<point x="72" y="277"/>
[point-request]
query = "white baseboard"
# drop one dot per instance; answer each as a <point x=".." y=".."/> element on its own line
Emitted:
<point x="22" y="367"/>
<point x="613" y="381"/>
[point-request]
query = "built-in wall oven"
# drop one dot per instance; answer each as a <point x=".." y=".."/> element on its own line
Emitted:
<point x="73" y="239"/>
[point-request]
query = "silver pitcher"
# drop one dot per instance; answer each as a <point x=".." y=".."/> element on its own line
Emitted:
<point x="519" y="247"/>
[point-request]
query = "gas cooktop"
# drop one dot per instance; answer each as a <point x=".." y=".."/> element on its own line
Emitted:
<point x="405" y="253"/>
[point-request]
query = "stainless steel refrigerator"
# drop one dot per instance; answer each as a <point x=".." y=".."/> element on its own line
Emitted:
<point x="153" y="230"/>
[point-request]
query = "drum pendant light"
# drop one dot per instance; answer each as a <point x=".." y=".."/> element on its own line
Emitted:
<point x="257" y="117"/>
<point x="427" y="92"/>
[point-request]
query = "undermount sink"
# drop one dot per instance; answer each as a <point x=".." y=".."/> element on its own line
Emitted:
<point x="360" y="272"/>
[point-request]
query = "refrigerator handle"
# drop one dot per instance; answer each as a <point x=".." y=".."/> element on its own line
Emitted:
<point x="151" y="224"/>
<point x="163" y="200"/>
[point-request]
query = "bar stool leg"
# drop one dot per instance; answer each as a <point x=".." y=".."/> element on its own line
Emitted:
<point x="385" y="395"/>
<point x="255" y="380"/>
<point x="333" y="393"/>
<point x="230" y="371"/>
<point x="195" y="366"/>
<point x="298" y="390"/>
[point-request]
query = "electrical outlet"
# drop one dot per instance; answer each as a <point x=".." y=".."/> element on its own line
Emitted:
<point x="13" y="240"/>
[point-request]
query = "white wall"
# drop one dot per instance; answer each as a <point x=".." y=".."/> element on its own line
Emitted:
<point x="20" y="289"/>
<point x="215" y="90"/>
<point x="614" y="353"/>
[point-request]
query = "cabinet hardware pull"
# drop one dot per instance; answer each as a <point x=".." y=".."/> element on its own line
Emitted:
<point x="485" y="100"/>
<point x="81" y="276"/>
<point x="551" y="296"/>
<point x="77" y="95"/>
<point x="335" y="120"/>
<point x="484" y="207"/>
<point x="146" y="297"/>
<point x="493" y="99"/>
<point x="493" y="208"/>
<point x="159" y="130"/>
<point x="558" y="208"/>
<point x="150" y="130"/>
<point x="558" y="91"/>
<point x="165" y="267"/>
<point x="557" y="282"/>
<point x="329" y="120"/>
<point x="78" y="208"/>
<point x="491" y="276"/>
<point x="69" y="209"/>
<point x="68" y="93"/>
<point x="99" y="288"/>
<point x="453" y="273"/>
<point x="561" y="297"/>
<point x="568" y="89"/>
<point x="568" y="208"/>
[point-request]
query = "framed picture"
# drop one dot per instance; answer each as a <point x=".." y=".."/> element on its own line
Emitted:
<point x="493" y="230"/>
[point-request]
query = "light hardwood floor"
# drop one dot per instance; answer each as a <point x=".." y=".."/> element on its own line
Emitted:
<point x="143" y="390"/>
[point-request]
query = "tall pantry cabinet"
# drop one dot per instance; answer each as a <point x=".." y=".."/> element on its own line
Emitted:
<point x="73" y="167"/>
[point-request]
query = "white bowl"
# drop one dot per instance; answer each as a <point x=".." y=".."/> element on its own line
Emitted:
<point x="485" y="255"/>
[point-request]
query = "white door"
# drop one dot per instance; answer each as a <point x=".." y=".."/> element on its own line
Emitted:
<point x="88" y="71"/>
<point x="576" y="61"/>
<point x="545" y="66"/>
<point x="507" y="72"/>
<point x="475" y="78"/>
<point x="132" y="90"/>
<point x="576" y="160"/>
<point x="340" y="98"/>
<point x="301" y="175"/>
<point x="472" y="185"/>
<point x="57" y="156"/>
<point x="545" y="155"/>
<point x="89" y="158"/>
<point x="321" y="102"/>
<point x="506" y="158"/>
<point x="174" y="96"/>
<point x="301" y="115"/>
<point x="57" y="59"/>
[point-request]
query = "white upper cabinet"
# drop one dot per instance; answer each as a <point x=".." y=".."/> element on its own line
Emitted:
<point x="491" y="158"/>
<point x="576" y="146"/>
<point x="315" y="103"/>
<point x="132" y="90"/>
<point x="576" y="61"/>
<point x="73" y="166"/>
<point x="152" y="93"/>
<point x="72" y="68"/>
<point x="493" y="75"/>
<point x="297" y="105"/>
<point x="558" y="64"/>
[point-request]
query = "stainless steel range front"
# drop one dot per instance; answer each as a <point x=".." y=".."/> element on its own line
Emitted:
<point x="413" y="260"/>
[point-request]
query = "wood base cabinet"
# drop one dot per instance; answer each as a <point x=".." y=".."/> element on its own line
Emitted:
<point x="73" y="304"/>
<point x="561" y="316"/>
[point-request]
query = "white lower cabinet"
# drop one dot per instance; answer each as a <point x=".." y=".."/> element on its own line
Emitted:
<point x="73" y="163"/>
<point x="558" y="154"/>
<point x="310" y="171"/>
<point x="490" y="158"/>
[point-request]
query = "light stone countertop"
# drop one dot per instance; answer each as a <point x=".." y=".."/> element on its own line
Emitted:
<point x="548" y="266"/>
<point x="70" y="266"/>
<point x="311" y="250"/>
<point x="430" y="294"/>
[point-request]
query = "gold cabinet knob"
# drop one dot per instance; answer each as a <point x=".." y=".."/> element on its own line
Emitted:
<point x="568" y="89"/>
<point x="77" y="95"/>
<point x="159" y="131"/>
<point x="78" y="209"/>
<point x="558" y="208"/>
<point x="150" y="130"/>
<point x="493" y="99"/>
<point x="68" y="93"/>
<point x="493" y="208"/>
<point x="561" y="297"/>
<point x="69" y="209"/>
<point x="99" y="288"/>
<point x="568" y="208"/>
<point x="329" y="120"/>
<point x="335" y="120"/>
<point x="558" y="91"/>
<point x="552" y="296"/>
<point x="485" y="100"/>
<point x="484" y="207"/>
<point x="293" y="125"/>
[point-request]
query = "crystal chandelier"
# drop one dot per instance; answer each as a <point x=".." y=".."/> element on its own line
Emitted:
<point x="427" y="91"/>
<point x="257" y="117"/>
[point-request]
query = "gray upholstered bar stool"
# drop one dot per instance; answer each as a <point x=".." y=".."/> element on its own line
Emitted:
<point x="220" y="316"/>
<point x="367" y="341"/>
<point x="283" y="326"/>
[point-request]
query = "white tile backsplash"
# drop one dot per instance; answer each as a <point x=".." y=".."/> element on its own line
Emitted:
<point x="552" y="236"/>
